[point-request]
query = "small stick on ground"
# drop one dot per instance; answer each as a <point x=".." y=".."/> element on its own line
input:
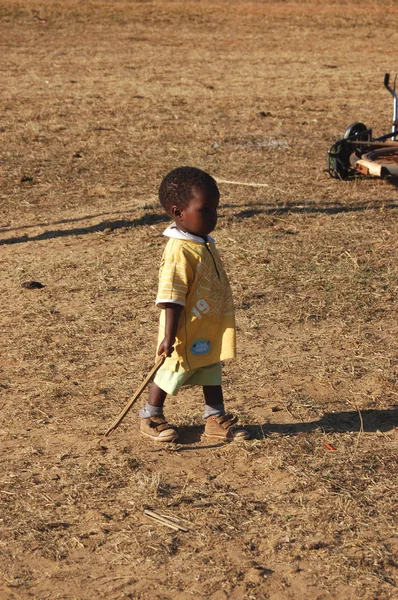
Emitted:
<point x="177" y="520"/>
<point x="361" y="427"/>
<point x="249" y="184"/>
<point x="164" y="520"/>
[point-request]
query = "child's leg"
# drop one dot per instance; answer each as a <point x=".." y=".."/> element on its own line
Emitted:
<point x="154" y="405"/>
<point x="219" y="424"/>
<point x="153" y="424"/>
<point x="214" y="400"/>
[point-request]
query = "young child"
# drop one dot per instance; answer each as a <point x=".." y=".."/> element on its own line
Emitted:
<point x="197" y="321"/>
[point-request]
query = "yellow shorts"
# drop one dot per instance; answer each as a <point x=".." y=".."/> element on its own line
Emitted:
<point x="171" y="381"/>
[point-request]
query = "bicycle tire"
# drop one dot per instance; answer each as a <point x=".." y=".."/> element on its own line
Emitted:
<point x="387" y="158"/>
<point x="355" y="130"/>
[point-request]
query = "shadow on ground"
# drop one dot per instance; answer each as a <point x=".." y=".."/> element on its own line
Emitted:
<point x="149" y="219"/>
<point x="62" y="221"/>
<point x="338" y="422"/>
<point x="300" y="208"/>
<point x="153" y="218"/>
<point x="194" y="435"/>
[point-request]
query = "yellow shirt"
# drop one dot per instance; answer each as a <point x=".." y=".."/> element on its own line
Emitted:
<point x="192" y="275"/>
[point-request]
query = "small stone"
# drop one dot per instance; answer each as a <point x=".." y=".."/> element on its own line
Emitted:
<point x="32" y="285"/>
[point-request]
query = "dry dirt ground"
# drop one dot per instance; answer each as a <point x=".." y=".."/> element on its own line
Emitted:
<point x="98" y="101"/>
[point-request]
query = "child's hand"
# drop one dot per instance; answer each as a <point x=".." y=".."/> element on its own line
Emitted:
<point x="166" y="347"/>
<point x="172" y="315"/>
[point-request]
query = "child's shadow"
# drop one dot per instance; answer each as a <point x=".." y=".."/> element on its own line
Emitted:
<point x="339" y="422"/>
<point x="191" y="436"/>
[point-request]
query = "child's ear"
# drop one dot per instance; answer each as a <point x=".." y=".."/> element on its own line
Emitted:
<point x="176" y="212"/>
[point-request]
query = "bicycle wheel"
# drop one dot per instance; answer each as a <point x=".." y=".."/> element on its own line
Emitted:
<point x="356" y="129"/>
<point x="385" y="158"/>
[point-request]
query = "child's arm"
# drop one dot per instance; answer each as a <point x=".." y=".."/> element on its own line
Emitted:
<point x="173" y="312"/>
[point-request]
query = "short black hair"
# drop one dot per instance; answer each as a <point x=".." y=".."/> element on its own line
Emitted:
<point x="177" y="186"/>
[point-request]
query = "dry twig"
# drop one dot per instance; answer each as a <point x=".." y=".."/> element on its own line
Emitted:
<point x="164" y="520"/>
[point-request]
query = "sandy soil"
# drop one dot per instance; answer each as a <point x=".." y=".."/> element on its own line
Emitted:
<point x="98" y="101"/>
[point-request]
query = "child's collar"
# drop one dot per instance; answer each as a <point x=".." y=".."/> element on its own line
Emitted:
<point x="173" y="232"/>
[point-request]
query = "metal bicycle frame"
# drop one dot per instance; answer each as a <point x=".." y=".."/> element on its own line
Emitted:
<point x="394" y="95"/>
<point x="351" y="154"/>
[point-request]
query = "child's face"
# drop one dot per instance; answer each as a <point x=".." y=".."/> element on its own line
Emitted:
<point x="199" y="217"/>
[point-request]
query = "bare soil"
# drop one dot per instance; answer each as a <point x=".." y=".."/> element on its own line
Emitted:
<point x="98" y="101"/>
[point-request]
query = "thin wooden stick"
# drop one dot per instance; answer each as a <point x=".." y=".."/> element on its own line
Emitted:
<point x="361" y="428"/>
<point x="164" y="520"/>
<point x="160" y="360"/>
<point x="249" y="184"/>
<point x="176" y="519"/>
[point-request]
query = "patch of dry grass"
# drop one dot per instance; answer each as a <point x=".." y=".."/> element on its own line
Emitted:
<point x="99" y="101"/>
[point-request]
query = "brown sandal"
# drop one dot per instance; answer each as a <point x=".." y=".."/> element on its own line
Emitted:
<point x="158" y="429"/>
<point x="225" y="428"/>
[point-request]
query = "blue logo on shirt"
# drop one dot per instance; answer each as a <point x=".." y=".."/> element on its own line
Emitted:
<point x="200" y="347"/>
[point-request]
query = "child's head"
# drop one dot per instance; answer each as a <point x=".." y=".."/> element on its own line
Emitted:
<point x="191" y="197"/>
